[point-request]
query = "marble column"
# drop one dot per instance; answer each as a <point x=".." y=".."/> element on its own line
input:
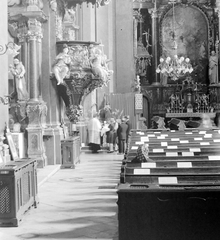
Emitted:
<point x="33" y="38"/>
<point x="36" y="107"/>
<point x="155" y="50"/>
<point x="22" y="31"/>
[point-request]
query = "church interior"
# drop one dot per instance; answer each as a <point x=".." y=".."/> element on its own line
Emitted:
<point x="110" y="119"/>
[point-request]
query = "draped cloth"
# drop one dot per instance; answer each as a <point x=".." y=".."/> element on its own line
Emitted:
<point x="94" y="128"/>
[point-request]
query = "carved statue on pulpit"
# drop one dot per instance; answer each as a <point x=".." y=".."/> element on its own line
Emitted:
<point x="99" y="65"/>
<point x="61" y="65"/>
<point x="18" y="71"/>
<point x="213" y="68"/>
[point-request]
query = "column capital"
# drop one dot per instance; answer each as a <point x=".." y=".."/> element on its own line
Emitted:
<point x="34" y="30"/>
<point x="22" y="30"/>
<point x="153" y="12"/>
<point x="137" y="14"/>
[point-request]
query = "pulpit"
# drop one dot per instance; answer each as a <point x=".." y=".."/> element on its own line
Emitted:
<point x="87" y="71"/>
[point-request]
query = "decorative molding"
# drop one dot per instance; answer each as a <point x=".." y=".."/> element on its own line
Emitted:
<point x="36" y="112"/>
<point x="69" y="24"/>
<point x="34" y="5"/>
<point x="59" y="27"/>
<point x="34" y="30"/>
<point x="153" y="12"/>
<point x="148" y="94"/>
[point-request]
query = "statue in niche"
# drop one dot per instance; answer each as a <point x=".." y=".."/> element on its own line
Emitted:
<point x="61" y="65"/>
<point x="142" y="60"/>
<point x="213" y="68"/>
<point x="18" y="71"/>
<point x="163" y="79"/>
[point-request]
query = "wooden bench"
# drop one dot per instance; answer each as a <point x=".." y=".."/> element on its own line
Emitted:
<point x="176" y="195"/>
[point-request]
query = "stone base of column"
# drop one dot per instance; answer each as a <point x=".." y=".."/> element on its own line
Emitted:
<point x="36" y="149"/>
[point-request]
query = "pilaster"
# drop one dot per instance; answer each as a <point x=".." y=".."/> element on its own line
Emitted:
<point x="124" y="56"/>
<point x="155" y="49"/>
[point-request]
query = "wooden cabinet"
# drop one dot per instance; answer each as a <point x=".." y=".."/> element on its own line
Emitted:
<point x="18" y="190"/>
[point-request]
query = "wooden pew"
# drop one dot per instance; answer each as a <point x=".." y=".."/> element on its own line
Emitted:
<point x="177" y="194"/>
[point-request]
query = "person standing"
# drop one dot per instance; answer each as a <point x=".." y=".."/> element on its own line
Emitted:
<point x="122" y="135"/>
<point x="128" y="133"/>
<point x="94" y="128"/>
<point x="111" y="135"/>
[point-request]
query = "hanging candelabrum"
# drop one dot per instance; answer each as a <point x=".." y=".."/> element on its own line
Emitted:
<point x="174" y="67"/>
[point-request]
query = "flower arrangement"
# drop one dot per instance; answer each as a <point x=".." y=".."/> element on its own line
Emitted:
<point x="174" y="68"/>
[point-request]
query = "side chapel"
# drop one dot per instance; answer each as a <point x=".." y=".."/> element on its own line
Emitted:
<point x="155" y="60"/>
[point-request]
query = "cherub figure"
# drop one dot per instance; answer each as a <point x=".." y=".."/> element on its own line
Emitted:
<point x="61" y="67"/>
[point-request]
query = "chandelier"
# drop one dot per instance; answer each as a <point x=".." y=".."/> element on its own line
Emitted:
<point x="174" y="67"/>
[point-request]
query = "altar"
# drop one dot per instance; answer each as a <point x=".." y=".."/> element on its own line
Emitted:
<point x="181" y="76"/>
<point x="188" y="115"/>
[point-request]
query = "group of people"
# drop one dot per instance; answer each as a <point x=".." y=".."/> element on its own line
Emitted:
<point x="114" y="133"/>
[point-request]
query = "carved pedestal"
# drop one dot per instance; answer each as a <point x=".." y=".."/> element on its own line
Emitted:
<point x="35" y="112"/>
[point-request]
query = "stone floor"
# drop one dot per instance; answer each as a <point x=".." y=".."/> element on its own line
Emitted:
<point x="74" y="203"/>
